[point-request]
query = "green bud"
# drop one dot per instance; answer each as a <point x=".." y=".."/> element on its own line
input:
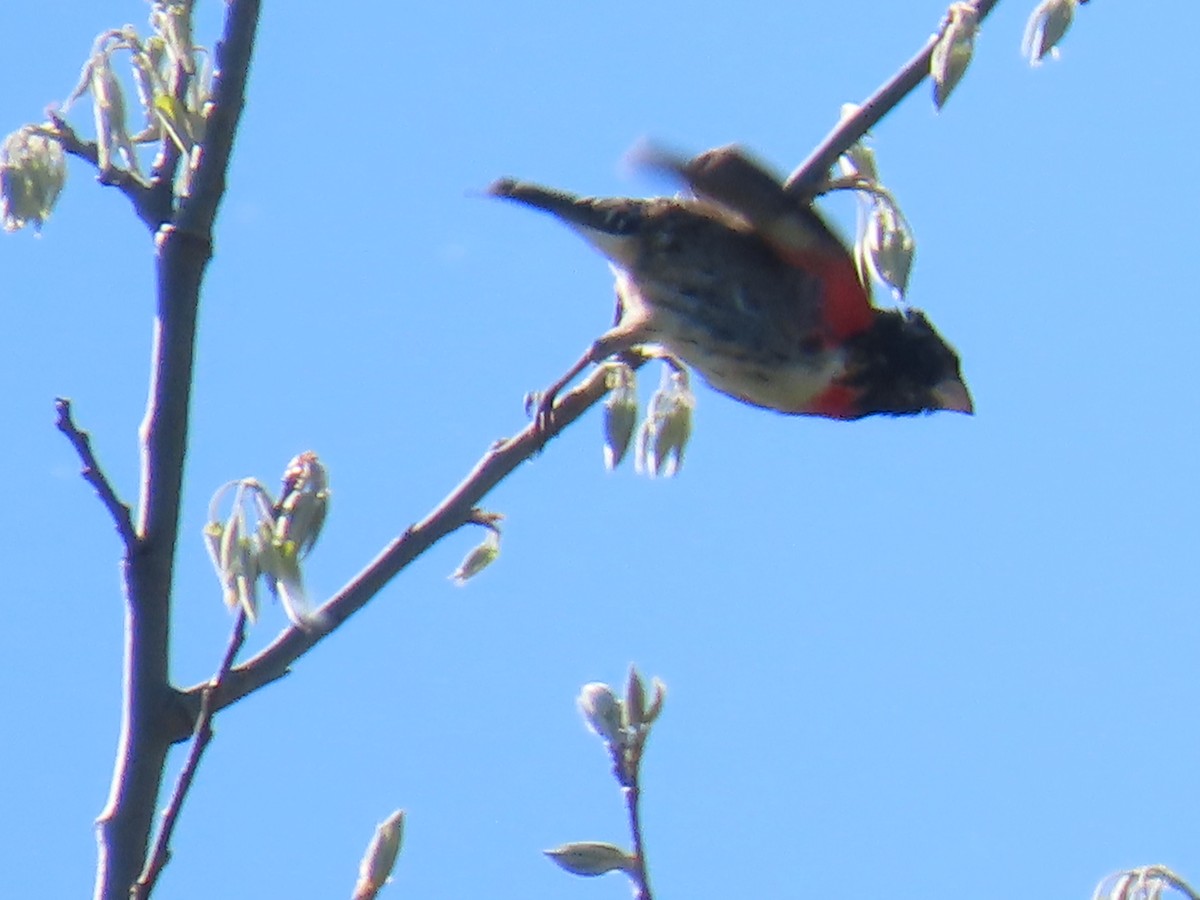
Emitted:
<point x="303" y="503"/>
<point x="954" y="50"/>
<point x="1046" y="27"/>
<point x="282" y="566"/>
<point x="656" y="704"/>
<point x="635" y="698"/>
<point x="108" y="107"/>
<point x="480" y="557"/>
<point x="667" y="427"/>
<point x="237" y="566"/>
<point x="590" y="858"/>
<point x="235" y="546"/>
<point x="888" y="246"/>
<point x="620" y="412"/>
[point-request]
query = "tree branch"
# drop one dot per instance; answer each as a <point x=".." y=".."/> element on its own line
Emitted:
<point x="233" y="53"/>
<point x="633" y="809"/>
<point x="273" y="662"/>
<point x="184" y="249"/>
<point x="805" y="181"/>
<point x="149" y="704"/>
<point x="454" y="511"/>
<point x="147" y="202"/>
<point x="201" y="738"/>
<point x="94" y="475"/>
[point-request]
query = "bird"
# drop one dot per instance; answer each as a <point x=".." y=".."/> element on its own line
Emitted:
<point x="750" y="287"/>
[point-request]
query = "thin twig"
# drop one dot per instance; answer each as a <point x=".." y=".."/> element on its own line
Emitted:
<point x="121" y="514"/>
<point x="146" y="203"/>
<point x="458" y="508"/>
<point x="202" y="735"/>
<point x="633" y="806"/>
<point x="806" y="180"/>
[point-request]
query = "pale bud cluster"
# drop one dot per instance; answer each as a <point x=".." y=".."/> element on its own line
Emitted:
<point x="623" y="725"/>
<point x="157" y="65"/>
<point x="664" y="433"/>
<point x="32" y="174"/>
<point x="884" y="246"/>
<point x="173" y="79"/>
<point x="264" y="538"/>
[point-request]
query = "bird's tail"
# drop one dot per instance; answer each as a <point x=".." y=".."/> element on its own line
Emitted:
<point x="610" y="225"/>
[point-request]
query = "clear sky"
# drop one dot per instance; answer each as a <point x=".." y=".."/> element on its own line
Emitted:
<point x="906" y="658"/>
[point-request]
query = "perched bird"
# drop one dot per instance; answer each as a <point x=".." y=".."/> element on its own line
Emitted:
<point x="751" y="288"/>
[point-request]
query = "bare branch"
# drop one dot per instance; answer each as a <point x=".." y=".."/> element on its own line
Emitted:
<point x="806" y="180"/>
<point x="273" y="662"/>
<point x="94" y="475"/>
<point x="457" y="509"/>
<point x="633" y="809"/>
<point x="147" y="202"/>
<point x="198" y="211"/>
<point x="201" y="737"/>
<point x="148" y="722"/>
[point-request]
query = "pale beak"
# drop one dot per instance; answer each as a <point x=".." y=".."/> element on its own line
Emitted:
<point x="953" y="395"/>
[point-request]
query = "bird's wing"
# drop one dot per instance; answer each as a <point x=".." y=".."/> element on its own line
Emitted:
<point x="730" y="179"/>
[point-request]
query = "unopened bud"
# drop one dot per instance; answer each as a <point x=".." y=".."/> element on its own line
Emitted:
<point x="656" y="704"/>
<point x="108" y="107"/>
<point x="33" y="171"/>
<point x="589" y="858"/>
<point x="282" y="566"/>
<point x="635" y="698"/>
<point x="375" y="870"/>
<point x="888" y="246"/>
<point x="620" y="412"/>
<point x="480" y="557"/>
<point x="667" y="428"/>
<point x="603" y="712"/>
<point x="303" y="502"/>
<point x="1046" y="27"/>
<point x="236" y="543"/>
<point x="954" y="50"/>
<point x="237" y="565"/>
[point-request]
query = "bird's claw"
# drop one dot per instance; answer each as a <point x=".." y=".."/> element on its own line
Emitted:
<point x="539" y="406"/>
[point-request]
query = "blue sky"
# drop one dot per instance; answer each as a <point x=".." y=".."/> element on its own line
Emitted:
<point x="921" y="656"/>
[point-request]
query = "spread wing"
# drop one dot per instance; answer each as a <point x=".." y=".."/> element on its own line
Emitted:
<point x="728" y="178"/>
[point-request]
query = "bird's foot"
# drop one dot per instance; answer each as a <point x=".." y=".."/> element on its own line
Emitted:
<point x="539" y="406"/>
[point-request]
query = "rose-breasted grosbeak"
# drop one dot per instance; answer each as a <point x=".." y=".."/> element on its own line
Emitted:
<point x="751" y="288"/>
